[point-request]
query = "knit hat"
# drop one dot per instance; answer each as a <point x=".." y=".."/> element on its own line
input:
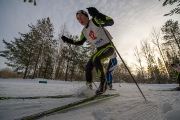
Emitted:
<point x="82" y="12"/>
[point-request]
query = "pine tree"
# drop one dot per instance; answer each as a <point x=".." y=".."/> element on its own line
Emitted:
<point x="45" y="45"/>
<point x="31" y="1"/>
<point x="32" y="49"/>
<point x="171" y="33"/>
<point x="171" y="2"/>
<point x="19" y="53"/>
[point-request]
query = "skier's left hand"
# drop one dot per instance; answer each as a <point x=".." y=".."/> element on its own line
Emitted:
<point x="93" y="12"/>
<point x="64" y="38"/>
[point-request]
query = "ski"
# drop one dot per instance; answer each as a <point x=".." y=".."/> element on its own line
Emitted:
<point x="37" y="97"/>
<point x="94" y="98"/>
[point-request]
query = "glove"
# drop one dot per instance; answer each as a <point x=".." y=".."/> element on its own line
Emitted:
<point x="64" y="38"/>
<point x="93" y="12"/>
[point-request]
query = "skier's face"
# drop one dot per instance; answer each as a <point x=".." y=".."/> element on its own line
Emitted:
<point x="82" y="19"/>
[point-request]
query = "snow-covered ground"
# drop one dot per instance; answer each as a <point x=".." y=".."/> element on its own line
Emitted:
<point x="130" y="105"/>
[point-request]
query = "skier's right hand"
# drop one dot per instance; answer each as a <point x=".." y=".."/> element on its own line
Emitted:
<point x="64" y="38"/>
<point x="93" y="12"/>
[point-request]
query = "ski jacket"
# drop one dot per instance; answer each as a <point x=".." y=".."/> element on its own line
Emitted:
<point x="113" y="56"/>
<point x="94" y="33"/>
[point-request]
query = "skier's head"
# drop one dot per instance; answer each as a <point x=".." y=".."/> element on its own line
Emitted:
<point x="82" y="12"/>
<point x="82" y="17"/>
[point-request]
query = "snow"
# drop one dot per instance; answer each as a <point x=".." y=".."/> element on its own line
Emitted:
<point x="130" y="105"/>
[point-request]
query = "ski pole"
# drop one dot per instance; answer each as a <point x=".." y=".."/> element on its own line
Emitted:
<point x="77" y="59"/>
<point x="122" y="60"/>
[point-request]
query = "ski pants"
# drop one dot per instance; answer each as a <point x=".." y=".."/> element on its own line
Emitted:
<point x="111" y="66"/>
<point x="178" y="78"/>
<point x="102" y="54"/>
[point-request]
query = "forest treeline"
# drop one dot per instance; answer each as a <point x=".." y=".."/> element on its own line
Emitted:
<point x="38" y="54"/>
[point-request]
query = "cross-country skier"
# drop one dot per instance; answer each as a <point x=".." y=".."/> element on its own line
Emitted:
<point x="93" y="32"/>
<point x="111" y="66"/>
<point x="174" y="66"/>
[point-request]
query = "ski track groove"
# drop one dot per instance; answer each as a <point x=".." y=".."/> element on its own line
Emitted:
<point x="139" y="111"/>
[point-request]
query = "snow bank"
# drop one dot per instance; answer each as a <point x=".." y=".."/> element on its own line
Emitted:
<point x="130" y="105"/>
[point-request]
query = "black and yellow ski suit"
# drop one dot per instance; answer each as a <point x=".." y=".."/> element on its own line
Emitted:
<point x="96" y="35"/>
<point x="178" y="77"/>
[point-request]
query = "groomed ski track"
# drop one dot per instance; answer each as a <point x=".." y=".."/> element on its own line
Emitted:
<point x="37" y="97"/>
<point x="130" y="105"/>
<point x="84" y="101"/>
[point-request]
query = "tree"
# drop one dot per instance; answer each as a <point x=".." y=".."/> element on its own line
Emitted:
<point x="19" y="53"/>
<point x="175" y="10"/>
<point x="155" y="39"/>
<point x="32" y="50"/>
<point x="162" y="69"/>
<point x="170" y="60"/>
<point x="31" y="1"/>
<point x="121" y="74"/>
<point x="171" y="36"/>
<point x="146" y="52"/>
<point x="172" y="32"/>
<point x="149" y="56"/>
<point x="139" y="61"/>
<point x="45" y="44"/>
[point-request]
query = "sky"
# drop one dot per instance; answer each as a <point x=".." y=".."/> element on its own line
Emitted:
<point x="133" y="19"/>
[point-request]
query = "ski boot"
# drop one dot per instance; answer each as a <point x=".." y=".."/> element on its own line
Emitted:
<point x="110" y="85"/>
<point x="102" y="87"/>
<point x="89" y="85"/>
<point x="178" y="88"/>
